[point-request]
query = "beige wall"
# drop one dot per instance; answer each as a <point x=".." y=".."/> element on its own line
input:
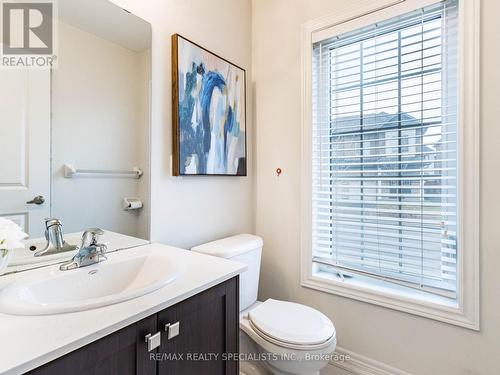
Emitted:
<point x="192" y="210"/>
<point x="417" y="345"/>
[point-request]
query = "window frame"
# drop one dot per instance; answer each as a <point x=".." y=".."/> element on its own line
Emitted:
<point x="465" y="310"/>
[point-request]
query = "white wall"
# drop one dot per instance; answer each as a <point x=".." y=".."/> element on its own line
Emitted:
<point x="99" y="121"/>
<point x="417" y="345"/>
<point x="191" y="210"/>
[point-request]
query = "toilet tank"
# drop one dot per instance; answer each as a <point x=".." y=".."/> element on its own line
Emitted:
<point x="243" y="248"/>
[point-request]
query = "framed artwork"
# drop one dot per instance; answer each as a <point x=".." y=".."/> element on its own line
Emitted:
<point x="209" y="112"/>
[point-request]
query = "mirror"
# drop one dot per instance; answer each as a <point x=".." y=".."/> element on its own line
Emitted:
<point x="77" y="135"/>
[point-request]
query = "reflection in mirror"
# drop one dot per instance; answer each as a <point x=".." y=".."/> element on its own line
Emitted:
<point x="79" y="151"/>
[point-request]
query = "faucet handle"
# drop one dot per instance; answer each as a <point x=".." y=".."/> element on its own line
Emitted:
<point x="101" y="250"/>
<point x="90" y="236"/>
<point x="49" y="221"/>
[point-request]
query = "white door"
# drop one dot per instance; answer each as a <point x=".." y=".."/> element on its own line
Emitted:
<point x="25" y="148"/>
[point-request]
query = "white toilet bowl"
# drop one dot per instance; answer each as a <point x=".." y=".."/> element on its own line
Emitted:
<point x="289" y="338"/>
<point x="276" y="337"/>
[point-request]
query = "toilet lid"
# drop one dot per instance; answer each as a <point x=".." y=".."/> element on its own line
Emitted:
<point x="292" y="323"/>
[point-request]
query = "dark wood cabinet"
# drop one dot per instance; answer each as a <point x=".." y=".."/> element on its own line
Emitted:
<point x="208" y="333"/>
<point x="206" y="343"/>
<point x="123" y="352"/>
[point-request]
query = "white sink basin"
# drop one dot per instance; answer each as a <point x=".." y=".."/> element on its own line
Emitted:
<point x="122" y="277"/>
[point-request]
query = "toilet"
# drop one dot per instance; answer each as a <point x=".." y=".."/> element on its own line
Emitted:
<point x="276" y="337"/>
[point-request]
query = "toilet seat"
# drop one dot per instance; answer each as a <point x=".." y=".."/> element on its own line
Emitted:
<point x="286" y="345"/>
<point x="291" y="325"/>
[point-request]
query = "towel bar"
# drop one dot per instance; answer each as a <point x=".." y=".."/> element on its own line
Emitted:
<point x="70" y="171"/>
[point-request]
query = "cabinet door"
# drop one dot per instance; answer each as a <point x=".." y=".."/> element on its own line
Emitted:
<point x="208" y="333"/>
<point x="123" y="352"/>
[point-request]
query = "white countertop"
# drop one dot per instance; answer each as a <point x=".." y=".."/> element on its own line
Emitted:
<point x="27" y="342"/>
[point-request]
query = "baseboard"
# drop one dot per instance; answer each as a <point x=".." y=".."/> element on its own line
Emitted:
<point x="350" y="363"/>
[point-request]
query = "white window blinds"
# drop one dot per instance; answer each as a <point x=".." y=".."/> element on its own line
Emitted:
<point x="384" y="173"/>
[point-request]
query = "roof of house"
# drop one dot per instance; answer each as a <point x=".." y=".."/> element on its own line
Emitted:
<point x="379" y="120"/>
<point x="346" y="126"/>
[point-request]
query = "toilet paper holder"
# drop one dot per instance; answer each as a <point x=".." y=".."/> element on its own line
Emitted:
<point x="131" y="203"/>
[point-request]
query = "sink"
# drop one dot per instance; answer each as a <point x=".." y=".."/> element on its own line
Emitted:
<point x="122" y="277"/>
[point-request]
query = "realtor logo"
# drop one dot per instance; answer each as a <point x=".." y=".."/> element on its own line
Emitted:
<point x="28" y="34"/>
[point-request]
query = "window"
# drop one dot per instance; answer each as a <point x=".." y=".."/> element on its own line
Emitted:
<point x="384" y="153"/>
<point x="375" y="89"/>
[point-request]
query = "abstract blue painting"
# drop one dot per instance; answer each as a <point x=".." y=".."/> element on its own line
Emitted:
<point x="208" y="112"/>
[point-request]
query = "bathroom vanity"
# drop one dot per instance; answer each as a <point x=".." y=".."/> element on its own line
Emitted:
<point x="171" y="330"/>
<point x="205" y="327"/>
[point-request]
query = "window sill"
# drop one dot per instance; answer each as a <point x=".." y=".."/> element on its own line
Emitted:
<point x="396" y="297"/>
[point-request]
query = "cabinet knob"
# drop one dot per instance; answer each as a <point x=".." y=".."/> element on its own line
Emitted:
<point x="172" y="329"/>
<point x="153" y="341"/>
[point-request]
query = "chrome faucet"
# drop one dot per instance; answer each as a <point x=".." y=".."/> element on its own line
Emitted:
<point x="90" y="251"/>
<point x="55" y="240"/>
